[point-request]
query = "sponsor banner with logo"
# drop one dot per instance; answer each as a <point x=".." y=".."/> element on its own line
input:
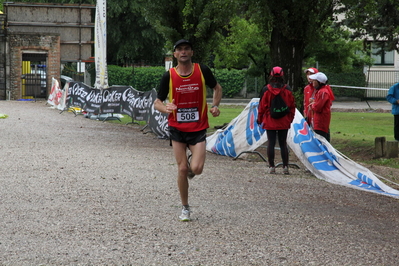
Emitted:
<point x="317" y="155"/>
<point x="119" y="100"/>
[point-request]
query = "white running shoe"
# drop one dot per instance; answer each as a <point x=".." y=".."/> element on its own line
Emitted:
<point x="185" y="215"/>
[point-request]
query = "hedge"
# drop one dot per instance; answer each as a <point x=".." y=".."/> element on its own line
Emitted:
<point x="232" y="81"/>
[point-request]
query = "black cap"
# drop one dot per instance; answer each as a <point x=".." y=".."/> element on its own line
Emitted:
<point x="180" y="42"/>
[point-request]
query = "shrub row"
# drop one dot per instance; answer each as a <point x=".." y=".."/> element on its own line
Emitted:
<point x="232" y="81"/>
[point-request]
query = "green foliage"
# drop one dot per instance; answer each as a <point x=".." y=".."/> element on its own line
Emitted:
<point x="140" y="78"/>
<point x="232" y="81"/>
<point x="335" y="52"/>
<point x="245" y="46"/>
<point x="376" y="19"/>
<point x="135" y="38"/>
<point x="147" y="78"/>
<point x="356" y="79"/>
<point x="197" y="21"/>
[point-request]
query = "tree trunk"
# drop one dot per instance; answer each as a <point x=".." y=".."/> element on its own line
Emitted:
<point x="288" y="54"/>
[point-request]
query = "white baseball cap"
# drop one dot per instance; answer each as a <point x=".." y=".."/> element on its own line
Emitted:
<point x="320" y="77"/>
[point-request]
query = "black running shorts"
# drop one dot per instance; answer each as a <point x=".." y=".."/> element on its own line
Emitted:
<point x="190" y="138"/>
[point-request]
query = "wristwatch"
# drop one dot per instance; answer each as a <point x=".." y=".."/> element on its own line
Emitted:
<point x="215" y="106"/>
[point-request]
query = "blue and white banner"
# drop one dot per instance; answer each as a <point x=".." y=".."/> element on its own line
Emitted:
<point x="241" y="134"/>
<point x="317" y="155"/>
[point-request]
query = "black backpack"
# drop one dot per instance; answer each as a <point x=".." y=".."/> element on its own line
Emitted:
<point x="278" y="107"/>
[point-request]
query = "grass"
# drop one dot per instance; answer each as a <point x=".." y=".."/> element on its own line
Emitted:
<point x="352" y="133"/>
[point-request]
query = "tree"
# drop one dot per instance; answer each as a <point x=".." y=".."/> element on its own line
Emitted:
<point x="198" y="21"/>
<point x="293" y="26"/>
<point x="336" y="52"/>
<point x="131" y="36"/>
<point x="378" y="20"/>
<point x="244" y="46"/>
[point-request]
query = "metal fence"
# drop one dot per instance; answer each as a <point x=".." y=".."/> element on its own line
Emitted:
<point x="381" y="79"/>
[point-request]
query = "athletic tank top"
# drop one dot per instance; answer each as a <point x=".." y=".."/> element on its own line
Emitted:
<point x="189" y="94"/>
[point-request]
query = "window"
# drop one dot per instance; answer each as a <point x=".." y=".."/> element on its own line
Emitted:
<point x="380" y="56"/>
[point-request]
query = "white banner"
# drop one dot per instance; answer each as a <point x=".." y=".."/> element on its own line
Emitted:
<point x="57" y="97"/>
<point x="243" y="134"/>
<point x="100" y="45"/>
<point x="55" y="93"/>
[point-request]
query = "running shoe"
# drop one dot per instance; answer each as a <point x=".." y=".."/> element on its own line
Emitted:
<point x="285" y="170"/>
<point x="185" y="215"/>
<point x="272" y="170"/>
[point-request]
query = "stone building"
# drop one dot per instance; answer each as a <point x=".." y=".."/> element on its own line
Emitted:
<point x="37" y="40"/>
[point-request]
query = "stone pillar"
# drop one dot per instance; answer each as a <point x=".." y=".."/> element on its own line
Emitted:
<point x="392" y="149"/>
<point x="379" y="147"/>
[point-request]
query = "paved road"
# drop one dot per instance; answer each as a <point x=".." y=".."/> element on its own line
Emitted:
<point x="384" y="105"/>
<point x="75" y="191"/>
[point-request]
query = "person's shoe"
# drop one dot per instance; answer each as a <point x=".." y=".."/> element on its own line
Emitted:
<point x="272" y="170"/>
<point x="190" y="174"/>
<point x="285" y="170"/>
<point x="185" y="215"/>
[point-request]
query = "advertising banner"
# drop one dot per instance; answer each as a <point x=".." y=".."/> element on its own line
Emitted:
<point x="119" y="100"/>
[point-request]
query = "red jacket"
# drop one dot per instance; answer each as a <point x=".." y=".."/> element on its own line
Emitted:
<point x="308" y="92"/>
<point x="264" y="116"/>
<point x="322" y="108"/>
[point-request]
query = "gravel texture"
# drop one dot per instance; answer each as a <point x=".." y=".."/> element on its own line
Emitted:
<point x="76" y="191"/>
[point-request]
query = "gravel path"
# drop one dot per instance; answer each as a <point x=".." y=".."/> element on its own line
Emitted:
<point x="75" y="191"/>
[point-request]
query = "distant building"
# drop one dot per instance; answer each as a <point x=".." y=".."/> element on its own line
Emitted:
<point x="37" y="40"/>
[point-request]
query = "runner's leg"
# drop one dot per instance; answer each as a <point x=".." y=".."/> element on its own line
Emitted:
<point x="198" y="152"/>
<point x="179" y="150"/>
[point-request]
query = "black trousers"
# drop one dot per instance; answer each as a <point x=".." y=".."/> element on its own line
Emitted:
<point x="396" y="127"/>
<point x="272" y="135"/>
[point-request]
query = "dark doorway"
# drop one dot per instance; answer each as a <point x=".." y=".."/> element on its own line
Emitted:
<point x="34" y="75"/>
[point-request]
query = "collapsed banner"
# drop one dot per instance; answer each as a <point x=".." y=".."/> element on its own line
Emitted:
<point x="241" y="134"/>
<point x="317" y="155"/>
<point x="57" y="97"/>
<point x="55" y="93"/>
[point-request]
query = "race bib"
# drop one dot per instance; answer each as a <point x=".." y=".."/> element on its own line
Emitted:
<point x="185" y="115"/>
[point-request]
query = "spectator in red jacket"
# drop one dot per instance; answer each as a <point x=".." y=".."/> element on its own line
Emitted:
<point x="321" y="105"/>
<point x="308" y="93"/>
<point x="276" y="128"/>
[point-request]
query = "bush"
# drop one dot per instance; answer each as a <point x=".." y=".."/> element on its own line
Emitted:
<point x="147" y="78"/>
<point x="232" y="81"/>
<point x="356" y="79"/>
<point x="140" y="78"/>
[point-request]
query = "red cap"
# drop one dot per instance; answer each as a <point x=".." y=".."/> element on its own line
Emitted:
<point x="277" y="72"/>
<point x="312" y="70"/>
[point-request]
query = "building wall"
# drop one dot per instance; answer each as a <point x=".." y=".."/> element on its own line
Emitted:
<point x="31" y="43"/>
<point x="63" y="32"/>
